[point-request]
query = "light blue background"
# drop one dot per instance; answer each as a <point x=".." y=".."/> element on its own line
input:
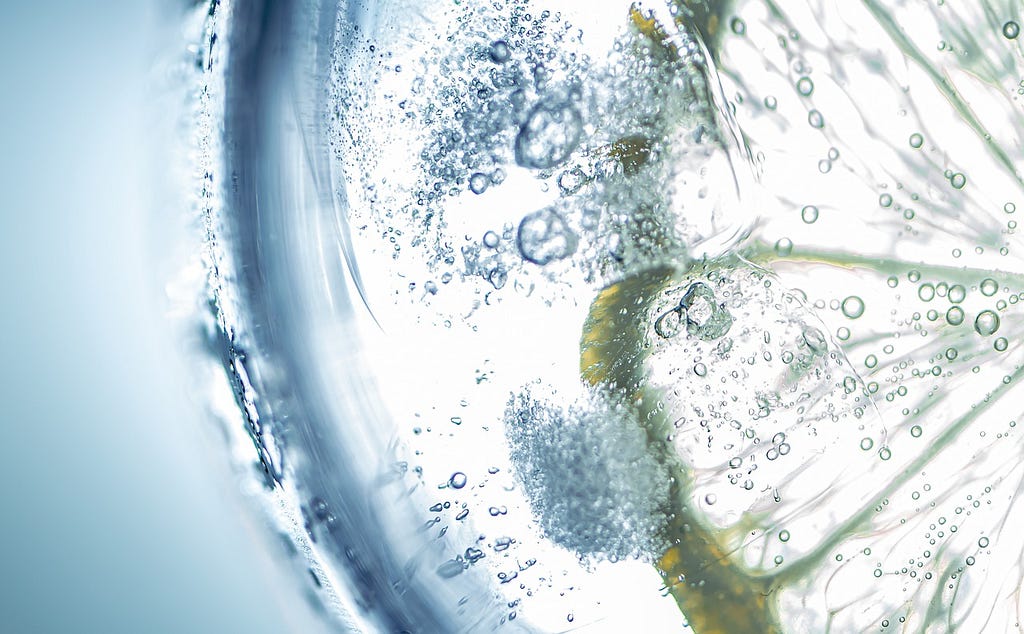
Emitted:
<point x="118" y="514"/>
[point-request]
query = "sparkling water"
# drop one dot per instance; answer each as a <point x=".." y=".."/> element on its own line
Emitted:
<point x="550" y="316"/>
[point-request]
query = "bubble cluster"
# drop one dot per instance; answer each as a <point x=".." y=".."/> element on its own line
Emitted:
<point x="700" y="312"/>
<point x="592" y="481"/>
<point x="636" y="146"/>
<point x="726" y="323"/>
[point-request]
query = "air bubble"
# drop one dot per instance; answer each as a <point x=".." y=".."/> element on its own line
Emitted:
<point x="853" y="307"/>
<point x="669" y="324"/>
<point x="955" y="316"/>
<point x="958" y="180"/>
<point x="478" y="183"/>
<point x="544" y="237"/>
<point x="497" y="277"/>
<point x="986" y="323"/>
<point x="458" y="480"/>
<point x="570" y="181"/>
<point x="989" y="287"/>
<point x="849" y="385"/>
<point x="549" y="135"/>
<point x="705" y="318"/>
<point x="1011" y="30"/>
<point x="805" y="86"/>
<point x="739" y="27"/>
<point x="783" y="246"/>
<point x="916" y="141"/>
<point x="450" y="568"/>
<point x="809" y="214"/>
<point x="499" y="52"/>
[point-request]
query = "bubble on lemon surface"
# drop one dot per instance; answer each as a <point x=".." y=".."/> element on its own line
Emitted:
<point x="584" y="465"/>
<point x="706" y="318"/>
<point x="794" y="381"/>
<point x="805" y="86"/>
<point x="986" y="323"/>
<point x="955" y="316"/>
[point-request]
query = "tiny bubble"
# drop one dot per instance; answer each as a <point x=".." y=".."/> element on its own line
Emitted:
<point x="458" y="480"/>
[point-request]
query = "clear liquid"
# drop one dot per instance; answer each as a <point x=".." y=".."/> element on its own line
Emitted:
<point x="702" y="315"/>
